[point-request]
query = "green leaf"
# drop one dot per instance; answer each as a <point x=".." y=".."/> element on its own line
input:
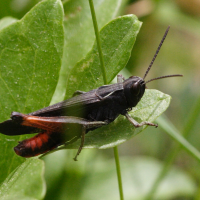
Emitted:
<point x="117" y="40"/>
<point x="26" y="182"/>
<point x="31" y="51"/>
<point x="79" y="34"/>
<point x="151" y="106"/>
<point x="6" y="21"/>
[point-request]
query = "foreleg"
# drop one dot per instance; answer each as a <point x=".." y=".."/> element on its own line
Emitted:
<point x="136" y="124"/>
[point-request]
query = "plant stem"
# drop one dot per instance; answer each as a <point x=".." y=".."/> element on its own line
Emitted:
<point x="117" y="163"/>
<point x="96" y="30"/>
<point x="105" y="82"/>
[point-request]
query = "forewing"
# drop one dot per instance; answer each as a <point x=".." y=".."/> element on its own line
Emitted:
<point x="80" y="102"/>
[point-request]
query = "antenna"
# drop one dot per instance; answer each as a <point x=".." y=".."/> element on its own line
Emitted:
<point x="166" y="76"/>
<point x="157" y="51"/>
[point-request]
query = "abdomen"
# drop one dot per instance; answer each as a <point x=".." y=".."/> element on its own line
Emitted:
<point x="38" y="144"/>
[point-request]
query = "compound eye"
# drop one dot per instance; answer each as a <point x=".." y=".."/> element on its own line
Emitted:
<point x="135" y="88"/>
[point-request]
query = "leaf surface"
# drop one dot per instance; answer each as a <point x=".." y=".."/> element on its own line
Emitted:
<point x="30" y="59"/>
<point x="117" y="40"/>
<point x="26" y="182"/>
<point x="80" y="36"/>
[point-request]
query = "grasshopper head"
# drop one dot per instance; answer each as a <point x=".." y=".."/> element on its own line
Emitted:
<point x="134" y="88"/>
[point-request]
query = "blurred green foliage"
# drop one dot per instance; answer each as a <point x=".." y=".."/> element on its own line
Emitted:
<point x="179" y="54"/>
<point x="94" y="173"/>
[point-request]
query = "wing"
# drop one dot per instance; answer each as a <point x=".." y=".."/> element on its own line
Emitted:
<point x="58" y="109"/>
<point x="76" y="104"/>
<point x="9" y="127"/>
<point x="80" y="102"/>
<point x="53" y="124"/>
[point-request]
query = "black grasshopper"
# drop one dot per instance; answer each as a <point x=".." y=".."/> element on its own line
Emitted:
<point x="71" y="119"/>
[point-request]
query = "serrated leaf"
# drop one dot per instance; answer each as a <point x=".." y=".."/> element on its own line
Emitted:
<point x="117" y="40"/>
<point x="31" y="53"/>
<point x="79" y="34"/>
<point x="26" y="182"/>
<point x="151" y="106"/>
